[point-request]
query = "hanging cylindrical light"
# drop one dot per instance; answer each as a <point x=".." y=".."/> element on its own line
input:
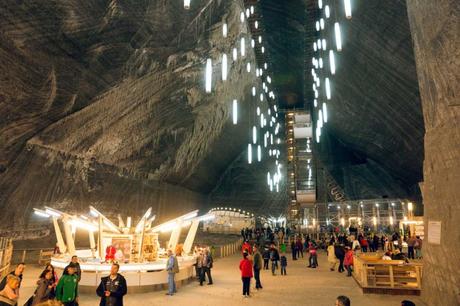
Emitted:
<point x="235" y="54"/>
<point x="242" y="17"/>
<point x="243" y="47"/>
<point x="332" y="61"/>
<point x="259" y="153"/>
<point x="248" y="13"/>
<point x="261" y="120"/>
<point x="317" y="26"/>
<point x="258" y="111"/>
<point x="260" y="39"/>
<point x="265" y="141"/>
<point x="235" y="111"/>
<point x="262" y="49"/>
<point x="252" y="9"/>
<point x="265" y="66"/>
<point x="324" y="44"/>
<point x="338" y="36"/>
<point x="320" y="118"/>
<point x="248" y="67"/>
<point x="186" y="4"/>
<point x="256" y="24"/>
<point x="254" y="134"/>
<point x="253" y="91"/>
<point x="320" y="4"/>
<point x="321" y="23"/>
<point x="315" y="47"/>
<point x="224" y="67"/>
<point x="324" y="112"/>
<point x="253" y="43"/>
<point x="224" y="30"/>
<point x="328" y="89"/>
<point x="261" y="97"/>
<point x="249" y="153"/>
<point x="208" y="77"/>
<point x="347" y="4"/>
<point x="321" y="62"/>
<point x="327" y="11"/>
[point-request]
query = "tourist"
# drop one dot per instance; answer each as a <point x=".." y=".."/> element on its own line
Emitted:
<point x="342" y="301"/>
<point x="364" y="244"/>
<point x="172" y="267"/>
<point x="246" y="247"/>
<point x="418" y="247"/>
<point x="45" y="287"/>
<point x="67" y="288"/>
<point x="299" y="247"/>
<point x="266" y="257"/>
<point x="246" y="274"/>
<point x="200" y="266"/>
<point x="112" y="288"/>
<point x="9" y="295"/>
<point x="331" y="258"/>
<point x="54" y="278"/>
<point x="340" y="254"/>
<point x="18" y="271"/>
<point x="313" y="259"/>
<point x="76" y="264"/>
<point x="283" y="263"/>
<point x="410" y="247"/>
<point x="398" y="255"/>
<point x="348" y="261"/>
<point x="257" y="265"/>
<point x="274" y="257"/>
<point x="387" y="256"/>
<point x="293" y="250"/>
<point x="208" y="262"/>
<point x="376" y="240"/>
<point x="355" y="244"/>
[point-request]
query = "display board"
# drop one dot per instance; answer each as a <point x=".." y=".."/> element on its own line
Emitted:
<point x="434" y="232"/>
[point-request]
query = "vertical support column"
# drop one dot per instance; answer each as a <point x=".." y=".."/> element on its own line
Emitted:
<point x="175" y="236"/>
<point x="191" y="236"/>
<point x="92" y="243"/>
<point x="99" y="239"/>
<point x="68" y="236"/>
<point x="60" y="240"/>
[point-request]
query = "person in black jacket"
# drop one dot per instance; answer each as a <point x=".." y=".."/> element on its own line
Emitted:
<point x="340" y="254"/>
<point x="112" y="288"/>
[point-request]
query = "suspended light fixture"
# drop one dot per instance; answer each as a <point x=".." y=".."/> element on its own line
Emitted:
<point x="258" y="111"/>
<point x="328" y="89"/>
<point x="261" y="96"/>
<point x="317" y="26"/>
<point x="265" y="141"/>
<point x="327" y="11"/>
<point x="269" y="79"/>
<point x="235" y="112"/>
<point x="320" y="118"/>
<point x="248" y="67"/>
<point x="224" y="30"/>
<point x="248" y="13"/>
<point x="249" y="153"/>
<point x="243" y="47"/>
<point x="259" y="153"/>
<point x="253" y="43"/>
<point x="268" y="178"/>
<point x="262" y="121"/>
<point x="320" y="46"/>
<point x="224" y="67"/>
<point x="253" y="91"/>
<point x="256" y="24"/>
<point x="338" y="36"/>
<point x="262" y="49"/>
<point x="208" y="77"/>
<point x="265" y="66"/>
<point x="254" y="134"/>
<point x="317" y="135"/>
<point x="321" y="62"/>
<point x="321" y="23"/>
<point x="324" y="112"/>
<point x="332" y="62"/>
<point x="235" y="54"/>
<point x="186" y="4"/>
<point x="242" y="17"/>
<point x="260" y="39"/>
<point x="320" y="4"/>
<point x="315" y="47"/>
<point x="252" y="9"/>
<point x="324" y="44"/>
<point x="347" y="4"/>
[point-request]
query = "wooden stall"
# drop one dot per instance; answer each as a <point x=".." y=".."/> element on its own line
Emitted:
<point x="375" y="275"/>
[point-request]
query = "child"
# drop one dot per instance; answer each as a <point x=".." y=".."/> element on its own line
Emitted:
<point x="283" y="261"/>
<point x="67" y="288"/>
<point x="348" y="262"/>
<point x="313" y="261"/>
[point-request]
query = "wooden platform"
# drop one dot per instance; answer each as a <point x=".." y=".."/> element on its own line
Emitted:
<point x="393" y="277"/>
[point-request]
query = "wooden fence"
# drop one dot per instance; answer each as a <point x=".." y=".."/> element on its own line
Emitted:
<point x="6" y="252"/>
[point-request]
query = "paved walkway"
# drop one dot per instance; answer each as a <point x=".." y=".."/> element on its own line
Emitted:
<point x="302" y="286"/>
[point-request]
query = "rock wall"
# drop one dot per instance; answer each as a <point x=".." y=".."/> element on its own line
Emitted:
<point x="435" y="32"/>
<point x="104" y="103"/>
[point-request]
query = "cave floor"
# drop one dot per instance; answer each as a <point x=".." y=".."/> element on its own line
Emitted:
<point x="302" y="286"/>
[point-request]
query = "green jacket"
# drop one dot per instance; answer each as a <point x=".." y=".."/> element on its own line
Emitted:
<point x="67" y="288"/>
<point x="257" y="261"/>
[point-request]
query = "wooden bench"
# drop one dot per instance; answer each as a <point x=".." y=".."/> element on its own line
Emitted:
<point x="44" y="257"/>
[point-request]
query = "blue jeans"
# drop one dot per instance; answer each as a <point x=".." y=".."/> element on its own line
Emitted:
<point x="171" y="283"/>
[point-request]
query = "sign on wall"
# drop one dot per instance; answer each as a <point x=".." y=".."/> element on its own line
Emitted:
<point x="434" y="232"/>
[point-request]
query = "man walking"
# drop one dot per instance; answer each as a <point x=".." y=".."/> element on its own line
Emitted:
<point x="208" y="261"/>
<point x="112" y="288"/>
<point x="257" y="266"/>
<point x="172" y="267"/>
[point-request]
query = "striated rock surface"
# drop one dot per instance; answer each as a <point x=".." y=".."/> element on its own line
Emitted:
<point x="104" y="104"/>
<point x="435" y="32"/>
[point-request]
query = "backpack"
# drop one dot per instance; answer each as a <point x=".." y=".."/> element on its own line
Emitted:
<point x="175" y="268"/>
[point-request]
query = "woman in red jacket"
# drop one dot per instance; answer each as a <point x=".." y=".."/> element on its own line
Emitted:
<point x="246" y="273"/>
<point x="348" y="262"/>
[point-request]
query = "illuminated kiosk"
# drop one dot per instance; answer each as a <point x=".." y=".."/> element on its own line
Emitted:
<point x="141" y="259"/>
<point x="228" y="220"/>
